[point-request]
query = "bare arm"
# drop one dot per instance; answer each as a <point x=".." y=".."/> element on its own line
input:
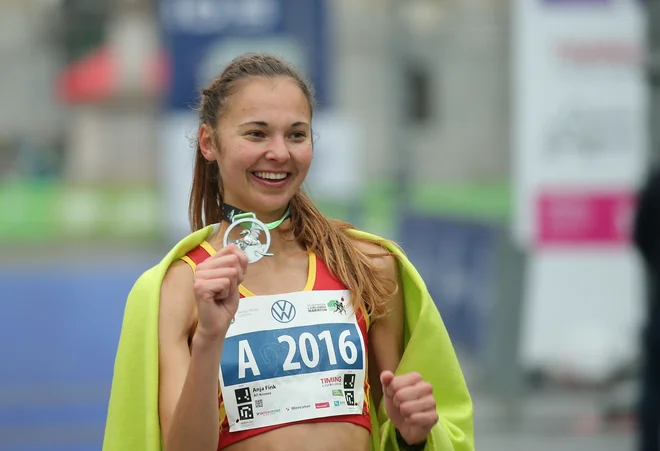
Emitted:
<point x="407" y="398"/>
<point x="188" y="397"/>
<point x="188" y="388"/>
<point x="385" y="334"/>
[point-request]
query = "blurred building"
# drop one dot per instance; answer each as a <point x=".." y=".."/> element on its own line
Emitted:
<point x="112" y="90"/>
<point x="459" y="51"/>
<point x="29" y="57"/>
<point x="105" y="58"/>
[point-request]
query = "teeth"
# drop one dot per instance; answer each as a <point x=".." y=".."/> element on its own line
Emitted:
<point x="271" y="175"/>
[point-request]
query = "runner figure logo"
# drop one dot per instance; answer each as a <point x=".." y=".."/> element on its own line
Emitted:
<point x="338" y="306"/>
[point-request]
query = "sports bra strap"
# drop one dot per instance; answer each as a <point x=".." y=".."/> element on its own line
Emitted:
<point x="196" y="256"/>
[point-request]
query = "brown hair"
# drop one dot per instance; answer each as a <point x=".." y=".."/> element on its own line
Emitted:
<point x="369" y="286"/>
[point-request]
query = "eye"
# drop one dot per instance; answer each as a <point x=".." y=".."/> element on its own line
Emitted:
<point x="298" y="135"/>
<point x="256" y="134"/>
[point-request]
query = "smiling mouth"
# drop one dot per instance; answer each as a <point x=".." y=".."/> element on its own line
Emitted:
<point x="271" y="176"/>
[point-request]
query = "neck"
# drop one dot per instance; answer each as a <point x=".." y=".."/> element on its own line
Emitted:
<point x="230" y="210"/>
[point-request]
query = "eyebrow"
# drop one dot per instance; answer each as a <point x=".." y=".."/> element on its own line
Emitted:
<point x="265" y="124"/>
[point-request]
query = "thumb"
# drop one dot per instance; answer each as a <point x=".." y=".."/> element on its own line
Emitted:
<point x="386" y="378"/>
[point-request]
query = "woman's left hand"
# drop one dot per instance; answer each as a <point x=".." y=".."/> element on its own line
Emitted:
<point x="410" y="405"/>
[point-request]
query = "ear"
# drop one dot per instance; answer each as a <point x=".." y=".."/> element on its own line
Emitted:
<point x="206" y="139"/>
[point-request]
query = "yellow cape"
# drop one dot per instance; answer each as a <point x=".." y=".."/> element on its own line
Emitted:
<point x="133" y="424"/>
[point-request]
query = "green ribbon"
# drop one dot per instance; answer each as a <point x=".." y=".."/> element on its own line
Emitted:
<point x="269" y="226"/>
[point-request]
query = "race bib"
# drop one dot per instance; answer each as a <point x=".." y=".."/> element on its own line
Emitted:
<point x="292" y="357"/>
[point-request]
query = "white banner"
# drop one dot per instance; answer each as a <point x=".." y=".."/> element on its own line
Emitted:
<point x="580" y="145"/>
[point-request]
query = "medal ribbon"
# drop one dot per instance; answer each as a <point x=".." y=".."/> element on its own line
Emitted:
<point x="231" y="214"/>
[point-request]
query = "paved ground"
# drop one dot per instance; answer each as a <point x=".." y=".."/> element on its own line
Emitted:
<point x="539" y="443"/>
<point x="554" y="421"/>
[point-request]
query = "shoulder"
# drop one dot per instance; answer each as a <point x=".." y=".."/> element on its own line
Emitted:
<point x="379" y="255"/>
<point x="178" y="276"/>
<point x="177" y="301"/>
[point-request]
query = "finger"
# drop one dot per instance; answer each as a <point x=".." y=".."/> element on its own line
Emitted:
<point x="233" y="277"/>
<point x="208" y="274"/>
<point x="242" y="259"/>
<point x="223" y="289"/>
<point x="220" y="296"/>
<point x="406" y="380"/>
<point x="233" y="249"/>
<point x="228" y="249"/>
<point x="219" y="259"/>
<point x="426" y="419"/>
<point x="412" y="393"/>
<point x="425" y="404"/>
<point x="386" y="378"/>
<point x="241" y="256"/>
<point x="225" y="251"/>
<point x="215" y="288"/>
<point x="226" y="261"/>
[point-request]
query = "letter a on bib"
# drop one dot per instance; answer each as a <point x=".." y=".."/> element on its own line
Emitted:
<point x="246" y="360"/>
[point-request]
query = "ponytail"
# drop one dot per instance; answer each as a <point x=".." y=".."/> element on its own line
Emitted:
<point x="205" y="202"/>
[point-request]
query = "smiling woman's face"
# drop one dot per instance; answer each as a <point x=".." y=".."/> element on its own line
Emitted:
<point x="263" y="145"/>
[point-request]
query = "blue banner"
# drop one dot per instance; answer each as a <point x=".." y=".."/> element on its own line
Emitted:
<point x="202" y="36"/>
<point x="456" y="258"/>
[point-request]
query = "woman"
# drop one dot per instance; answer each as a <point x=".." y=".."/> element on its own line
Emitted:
<point x="307" y="320"/>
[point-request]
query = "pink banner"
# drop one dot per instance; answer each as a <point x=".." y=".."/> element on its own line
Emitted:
<point x="583" y="218"/>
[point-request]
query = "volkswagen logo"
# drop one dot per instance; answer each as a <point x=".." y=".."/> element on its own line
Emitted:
<point x="283" y="311"/>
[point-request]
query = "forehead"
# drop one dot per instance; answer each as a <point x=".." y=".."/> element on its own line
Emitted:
<point x="263" y="98"/>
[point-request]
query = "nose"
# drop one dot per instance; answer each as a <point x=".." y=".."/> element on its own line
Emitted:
<point x="278" y="150"/>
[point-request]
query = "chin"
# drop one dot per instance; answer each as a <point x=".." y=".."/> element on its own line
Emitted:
<point x="272" y="204"/>
<point x="267" y="201"/>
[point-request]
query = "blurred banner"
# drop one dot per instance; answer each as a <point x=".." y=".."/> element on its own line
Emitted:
<point x="201" y="37"/>
<point x="457" y="259"/>
<point x="580" y="149"/>
<point x="45" y="211"/>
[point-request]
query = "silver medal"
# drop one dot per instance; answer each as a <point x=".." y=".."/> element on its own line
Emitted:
<point x="250" y="243"/>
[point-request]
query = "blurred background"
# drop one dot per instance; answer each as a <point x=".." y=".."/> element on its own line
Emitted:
<point x="500" y="142"/>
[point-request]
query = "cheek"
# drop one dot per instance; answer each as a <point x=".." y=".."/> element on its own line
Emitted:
<point x="236" y="158"/>
<point x="305" y="156"/>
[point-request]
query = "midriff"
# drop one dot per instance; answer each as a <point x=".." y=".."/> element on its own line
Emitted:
<point x="307" y="437"/>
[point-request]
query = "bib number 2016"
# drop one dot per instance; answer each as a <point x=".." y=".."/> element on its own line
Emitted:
<point x="309" y="345"/>
<point x="317" y="352"/>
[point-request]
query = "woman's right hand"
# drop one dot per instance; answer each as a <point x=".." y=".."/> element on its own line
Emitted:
<point x="215" y="285"/>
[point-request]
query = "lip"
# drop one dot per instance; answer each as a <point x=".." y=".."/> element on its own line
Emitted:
<point x="272" y="183"/>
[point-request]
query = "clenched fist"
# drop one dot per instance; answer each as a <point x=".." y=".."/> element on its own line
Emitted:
<point x="215" y="285"/>
<point x="410" y="405"/>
